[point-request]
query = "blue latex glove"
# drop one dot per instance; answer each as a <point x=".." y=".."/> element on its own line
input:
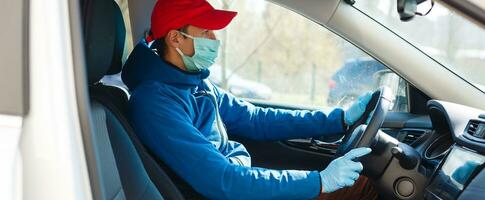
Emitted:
<point x="357" y="109"/>
<point x="343" y="171"/>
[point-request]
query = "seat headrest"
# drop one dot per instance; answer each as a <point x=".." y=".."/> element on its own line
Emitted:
<point x="105" y="33"/>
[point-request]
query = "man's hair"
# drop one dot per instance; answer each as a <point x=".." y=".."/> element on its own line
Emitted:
<point x="160" y="46"/>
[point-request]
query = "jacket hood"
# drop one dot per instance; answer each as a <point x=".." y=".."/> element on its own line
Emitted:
<point x="145" y="65"/>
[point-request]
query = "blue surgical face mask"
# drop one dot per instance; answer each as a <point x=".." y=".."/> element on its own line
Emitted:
<point x="205" y="55"/>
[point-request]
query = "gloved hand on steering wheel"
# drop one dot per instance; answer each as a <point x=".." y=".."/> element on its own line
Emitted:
<point x="355" y="112"/>
<point x="343" y="171"/>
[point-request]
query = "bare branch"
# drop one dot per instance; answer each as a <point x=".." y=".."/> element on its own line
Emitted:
<point x="255" y="50"/>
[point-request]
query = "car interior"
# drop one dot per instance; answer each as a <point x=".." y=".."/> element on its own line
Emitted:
<point x="412" y="149"/>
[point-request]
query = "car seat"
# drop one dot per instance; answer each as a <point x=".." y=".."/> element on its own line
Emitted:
<point x="121" y="161"/>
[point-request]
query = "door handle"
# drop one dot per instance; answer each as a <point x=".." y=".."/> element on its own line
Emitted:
<point x="322" y="144"/>
<point x="314" y="145"/>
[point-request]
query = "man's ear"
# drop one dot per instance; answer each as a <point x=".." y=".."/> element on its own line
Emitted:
<point x="173" y="39"/>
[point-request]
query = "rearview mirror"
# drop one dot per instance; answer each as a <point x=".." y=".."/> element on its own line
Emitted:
<point x="407" y="9"/>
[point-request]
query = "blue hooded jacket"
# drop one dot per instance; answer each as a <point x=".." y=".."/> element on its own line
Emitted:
<point x="184" y="120"/>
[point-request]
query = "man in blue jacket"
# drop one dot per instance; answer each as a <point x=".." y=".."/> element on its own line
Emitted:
<point x="185" y="120"/>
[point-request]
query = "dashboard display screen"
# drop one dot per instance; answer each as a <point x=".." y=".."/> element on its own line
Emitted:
<point x="455" y="172"/>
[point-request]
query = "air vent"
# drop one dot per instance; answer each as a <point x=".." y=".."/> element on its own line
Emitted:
<point x="410" y="136"/>
<point x="476" y="128"/>
<point x="472" y="127"/>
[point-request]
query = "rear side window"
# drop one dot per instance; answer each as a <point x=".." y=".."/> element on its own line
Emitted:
<point x="13" y="57"/>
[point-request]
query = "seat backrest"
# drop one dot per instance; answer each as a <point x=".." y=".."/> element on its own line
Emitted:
<point x="119" y="167"/>
<point x="135" y="180"/>
<point x="109" y="184"/>
<point x="115" y="100"/>
<point x="171" y="186"/>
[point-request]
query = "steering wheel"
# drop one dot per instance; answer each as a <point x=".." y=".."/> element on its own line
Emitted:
<point x="391" y="163"/>
<point x="362" y="135"/>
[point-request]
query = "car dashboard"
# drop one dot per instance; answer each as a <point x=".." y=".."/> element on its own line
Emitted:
<point x="453" y="155"/>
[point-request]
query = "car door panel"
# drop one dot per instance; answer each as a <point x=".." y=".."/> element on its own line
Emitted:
<point x="280" y="155"/>
<point x="310" y="154"/>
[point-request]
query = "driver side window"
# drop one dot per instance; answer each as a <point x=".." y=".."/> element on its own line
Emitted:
<point x="271" y="53"/>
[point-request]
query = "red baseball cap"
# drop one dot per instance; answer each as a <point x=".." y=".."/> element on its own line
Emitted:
<point x="174" y="14"/>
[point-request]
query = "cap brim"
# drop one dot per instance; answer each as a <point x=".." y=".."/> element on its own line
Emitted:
<point x="213" y="20"/>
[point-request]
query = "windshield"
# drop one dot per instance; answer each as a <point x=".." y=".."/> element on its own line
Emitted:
<point x="444" y="35"/>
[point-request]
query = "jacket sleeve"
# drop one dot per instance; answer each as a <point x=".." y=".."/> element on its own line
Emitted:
<point x="249" y="121"/>
<point x="164" y="126"/>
